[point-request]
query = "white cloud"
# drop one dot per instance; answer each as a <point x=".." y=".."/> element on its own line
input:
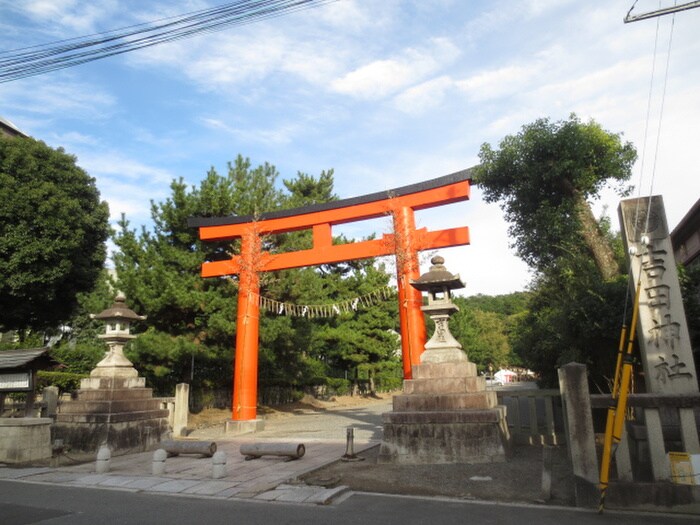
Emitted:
<point x="611" y="80"/>
<point x="423" y="97"/>
<point x="350" y="16"/>
<point x="103" y="164"/>
<point x="70" y="138"/>
<point x="384" y="77"/>
<point x="282" y="134"/>
<point x="78" y="17"/>
<point x="63" y="95"/>
<point x="499" y="82"/>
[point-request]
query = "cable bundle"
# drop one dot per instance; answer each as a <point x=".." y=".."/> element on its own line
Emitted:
<point x="35" y="60"/>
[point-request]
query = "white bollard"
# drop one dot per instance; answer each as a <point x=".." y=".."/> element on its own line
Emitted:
<point x="158" y="466"/>
<point x="104" y="458"/>
<point x="218" y="465"/>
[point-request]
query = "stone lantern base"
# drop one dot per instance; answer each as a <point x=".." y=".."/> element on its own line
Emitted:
<point x="445" y="415"/>
<point x="111" y="410"/>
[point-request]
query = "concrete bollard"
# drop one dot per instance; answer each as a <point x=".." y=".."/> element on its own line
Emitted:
<point x="350" y="447"/>
<point x="218" y="465"/>
<point x="546" y="473"/>
<point x="104" y="458"/>
<point x="158" y="465"/>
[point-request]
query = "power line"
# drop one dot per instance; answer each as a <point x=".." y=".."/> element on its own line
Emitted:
<point x="36" y="60"/>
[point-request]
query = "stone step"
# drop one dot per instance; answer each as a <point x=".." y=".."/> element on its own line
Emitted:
<point x="108" y="406"/>
<point x="439" y="402"/>
<point x="449" y="369"/>
<point x="113" y="418"/>
<point x="120" y="393"/>
<point x="486" y="415"/>
<point x="96" y="383"/>
<point x="444" y="385"/>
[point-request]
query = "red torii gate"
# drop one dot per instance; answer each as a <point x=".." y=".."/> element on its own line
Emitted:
<point x="405" y="243"/>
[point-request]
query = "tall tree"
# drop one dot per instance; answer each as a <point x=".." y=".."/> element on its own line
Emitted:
<point x="544" y="176"/>
<point x="53" y="228"/>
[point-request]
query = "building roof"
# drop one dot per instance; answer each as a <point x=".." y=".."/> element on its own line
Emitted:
<point x="21" y="357"/>
<point x="688" y="224"/>
<point x="685" y="237"/>
<point x="8" y="128"/>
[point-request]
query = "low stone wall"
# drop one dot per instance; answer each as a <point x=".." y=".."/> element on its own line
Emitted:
<point x="25" y="440"/>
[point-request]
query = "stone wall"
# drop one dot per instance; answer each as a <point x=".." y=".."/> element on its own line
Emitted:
<point x="25" y="440"/>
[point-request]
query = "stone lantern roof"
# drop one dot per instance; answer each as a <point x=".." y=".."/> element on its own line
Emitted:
<point x="437" y="278"/>
<point x="119" y="310"/>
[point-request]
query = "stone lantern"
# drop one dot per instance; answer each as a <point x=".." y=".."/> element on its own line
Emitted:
<point x="445" y="414"/>
<point x="113" y="407"/>
<point x="117" y="320"/>
<point x="439" y="283"/>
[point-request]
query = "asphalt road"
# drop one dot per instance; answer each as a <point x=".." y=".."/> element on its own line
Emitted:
<point x="25" y="504"/>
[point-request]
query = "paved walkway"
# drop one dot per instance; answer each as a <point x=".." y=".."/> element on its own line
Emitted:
<point x="268" y="478"/>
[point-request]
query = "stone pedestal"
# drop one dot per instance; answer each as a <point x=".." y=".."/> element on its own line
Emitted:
<point x="445" y="415"/>
<point x="111" y="410"/>
<point x="25" y="439"/>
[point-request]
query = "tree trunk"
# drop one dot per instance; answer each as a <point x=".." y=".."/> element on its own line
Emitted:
<point x="595" y="240"/>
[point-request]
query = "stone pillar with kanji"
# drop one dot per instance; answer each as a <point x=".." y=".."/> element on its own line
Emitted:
<point x="662" y="330"/>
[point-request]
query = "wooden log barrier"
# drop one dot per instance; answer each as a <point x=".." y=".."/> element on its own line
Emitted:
<point x="289" y="450"/>
<point x="177" y="447"/>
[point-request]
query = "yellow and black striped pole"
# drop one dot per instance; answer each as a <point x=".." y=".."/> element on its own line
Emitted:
<point x="618" y="404"/>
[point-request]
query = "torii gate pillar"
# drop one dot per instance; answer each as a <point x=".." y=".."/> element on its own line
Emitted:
<point x="245" y="378"/>
<point x="413" y="333"/>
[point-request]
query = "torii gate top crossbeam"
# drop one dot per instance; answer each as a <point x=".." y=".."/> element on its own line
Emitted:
<point x="321" y="217"/>
<point x="356" y="208"/>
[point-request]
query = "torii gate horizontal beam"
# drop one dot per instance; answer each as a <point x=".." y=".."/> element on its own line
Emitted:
<point x="329" y="254"/>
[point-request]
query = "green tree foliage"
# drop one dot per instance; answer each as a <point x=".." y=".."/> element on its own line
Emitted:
<point x="483" y="326"/>
<point x="690" y="289"/>
<point x="573" y="315"/>
<point x="79" y="349"/>
<point x="53" y="229"/>
<point x="544" y="176"/>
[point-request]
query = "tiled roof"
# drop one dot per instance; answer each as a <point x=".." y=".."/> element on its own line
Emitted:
<point x="17" y="358"/>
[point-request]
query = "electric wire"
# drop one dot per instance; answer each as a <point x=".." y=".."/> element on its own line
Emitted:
<point x="661" y="114"/>
<point x="43" y="58"/>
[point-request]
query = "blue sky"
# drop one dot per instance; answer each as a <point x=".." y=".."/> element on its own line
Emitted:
<point x="387" y="93"/>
